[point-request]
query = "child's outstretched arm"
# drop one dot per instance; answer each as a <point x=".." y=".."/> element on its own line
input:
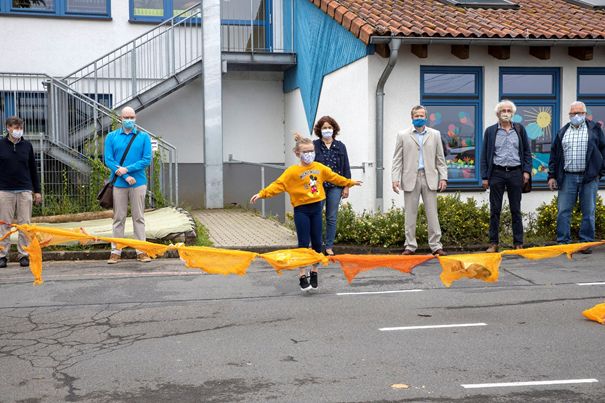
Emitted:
<point x="333" y="177"/>
<point x="275" y="188"/>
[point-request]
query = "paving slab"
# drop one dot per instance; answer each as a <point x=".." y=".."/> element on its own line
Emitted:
<point x="237" y="228"/>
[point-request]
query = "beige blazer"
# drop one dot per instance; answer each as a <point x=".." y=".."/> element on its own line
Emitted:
<point x="405" y="159"/>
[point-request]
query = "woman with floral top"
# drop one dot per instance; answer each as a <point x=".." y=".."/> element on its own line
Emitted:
<point x="333" y="154"/>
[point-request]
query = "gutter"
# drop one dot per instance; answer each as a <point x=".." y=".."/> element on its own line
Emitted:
<point x="394" y="44"/>
<point x="375" y="40"/>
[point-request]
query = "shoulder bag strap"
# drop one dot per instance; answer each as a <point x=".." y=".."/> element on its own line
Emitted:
<point x="115" y="177"/>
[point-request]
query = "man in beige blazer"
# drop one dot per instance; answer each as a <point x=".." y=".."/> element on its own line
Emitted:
<point x="419" y="168"/>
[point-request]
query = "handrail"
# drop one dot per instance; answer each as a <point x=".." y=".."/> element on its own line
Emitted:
<point x="157" y="27"/>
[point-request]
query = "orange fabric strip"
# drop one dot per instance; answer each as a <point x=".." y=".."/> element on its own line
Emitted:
<point x="352" y="265"/>
<point x="293" y="258"/>
<point x="216" y="261"/>
<point x="545" y="252"/>
<point x="596" y="313"/>
<point x="479" y="266"/>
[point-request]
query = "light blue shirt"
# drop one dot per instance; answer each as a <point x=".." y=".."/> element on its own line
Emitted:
<point x="420" y="139"/>
<point x="137" y="160"/>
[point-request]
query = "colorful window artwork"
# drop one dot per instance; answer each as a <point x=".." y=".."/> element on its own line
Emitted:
<point x="453" y="98"/>
<point x="536" y="93"/>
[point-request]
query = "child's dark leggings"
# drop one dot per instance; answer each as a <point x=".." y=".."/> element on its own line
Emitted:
<point x="307" y="219"/>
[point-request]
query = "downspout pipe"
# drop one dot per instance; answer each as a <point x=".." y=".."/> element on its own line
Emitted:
<point x="394" y="44"/>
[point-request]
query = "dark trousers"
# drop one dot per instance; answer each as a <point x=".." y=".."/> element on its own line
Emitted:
<point x="307" y="219"/>
<point x="512" y="182"/>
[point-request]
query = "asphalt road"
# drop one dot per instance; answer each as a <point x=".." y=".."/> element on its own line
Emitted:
<point x="161" y="332"/>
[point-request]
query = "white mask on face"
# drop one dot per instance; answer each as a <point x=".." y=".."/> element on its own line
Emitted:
<point x="506" y="116"/>
<point x="17" y="133"/>
<point x="307" y="157"/>
<point x="326" y="133"/>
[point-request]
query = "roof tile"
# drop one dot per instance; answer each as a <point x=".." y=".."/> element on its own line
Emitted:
<point x="533" y="19"/>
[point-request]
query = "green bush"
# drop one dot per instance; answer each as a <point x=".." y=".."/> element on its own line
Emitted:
<point x="545" y="227"/>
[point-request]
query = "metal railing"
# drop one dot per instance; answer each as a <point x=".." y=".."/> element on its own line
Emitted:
<point x="143" y="62"/>
<point x="172" y="47"/>
<point x="67" y="130"/>
<point x="263" y="176"/>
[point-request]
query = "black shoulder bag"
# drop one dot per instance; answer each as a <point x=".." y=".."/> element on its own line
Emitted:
<point x="105" y="196"/>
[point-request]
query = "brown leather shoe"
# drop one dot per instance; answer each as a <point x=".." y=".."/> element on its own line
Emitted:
<point x="114" y="258"/>
<point x="407" y="252"/>
<point x="518" y="247"/>
<point x="439" y="252"/>
<point x="493" y="248"/>
<point x="143" y="257"/>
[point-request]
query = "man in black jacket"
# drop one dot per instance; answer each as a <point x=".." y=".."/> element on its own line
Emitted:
<point x="505" y="165"/>
<point x="575" y="167"/>
<point x="19" y="186"/>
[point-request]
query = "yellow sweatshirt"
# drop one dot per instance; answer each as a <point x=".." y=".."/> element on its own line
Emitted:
<point x="305" y="185"/>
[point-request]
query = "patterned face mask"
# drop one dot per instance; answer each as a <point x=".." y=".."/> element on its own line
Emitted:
<point x="327" y="133"/>
<point x="307" y="157"/>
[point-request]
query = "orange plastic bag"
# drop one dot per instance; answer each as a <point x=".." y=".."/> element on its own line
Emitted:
<point x="479" y="266"/>
<point x="286" y="259"/>
<point x="352" y="265"/>
<point x="596" y="313"/>
<point x="545" y="252"/>
<point x="216" y="261"/>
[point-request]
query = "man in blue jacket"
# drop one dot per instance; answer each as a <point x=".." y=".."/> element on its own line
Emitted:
<point x="131" y="183"/>
<point x="575" y="167"/>
<point x="505" y="165"/>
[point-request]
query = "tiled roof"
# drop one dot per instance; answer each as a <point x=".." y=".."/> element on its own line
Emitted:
<point x="534" y="19"/>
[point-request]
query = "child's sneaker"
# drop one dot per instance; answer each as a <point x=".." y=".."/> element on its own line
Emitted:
<point x="304" y="283"/>
<point x="314" y="280"/>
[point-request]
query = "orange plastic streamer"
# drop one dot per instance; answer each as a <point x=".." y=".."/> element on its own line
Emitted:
<point x="35" y="258"/>
<point x="596" y="313"/>
<point x="216" y="261"/>
<point x="152" y="249"/>
<point x="293" y="258"/>
<point x="48" y="236"/>
<point x="352" y="265"/>
<point x="545" y="252"/>
<point x="479" y="266"/>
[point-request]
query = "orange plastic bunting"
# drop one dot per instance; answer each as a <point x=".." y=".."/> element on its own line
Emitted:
<point x="479" y="266"/>
<point x="35" y="259"/>
<point x="216" y="261"/>
<point x="293" y="258"/>
<point x="352" y="265"/>
<point x="545" y="252"/>
<point x="48" y="236"/>
<point x="596" y="313"/>
<point x="152" y="249"/>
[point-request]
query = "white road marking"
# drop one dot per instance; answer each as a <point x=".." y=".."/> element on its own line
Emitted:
<point x="376" y="292"/>
<point x="532" y="383"/>
<point x="597" y="283"/>
<point x="388" y="329"/>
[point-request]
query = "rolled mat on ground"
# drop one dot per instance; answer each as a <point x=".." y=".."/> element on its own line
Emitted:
<point x="479" y="266"/>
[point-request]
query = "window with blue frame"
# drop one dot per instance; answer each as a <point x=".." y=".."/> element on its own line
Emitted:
<point x="245" y="25"/>
<point x="58" y="8"/>
<point x="591" y="91"/>
<point x="535" y="91"/>
<point x="454" y="97"/>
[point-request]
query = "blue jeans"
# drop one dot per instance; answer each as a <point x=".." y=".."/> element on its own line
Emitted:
<point x="569" y="190"/>
<point x="307" y="219"/>
<point x="331" y="202"/>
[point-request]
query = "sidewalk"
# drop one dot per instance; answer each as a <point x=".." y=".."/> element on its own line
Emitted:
<point x="242" y="229"/>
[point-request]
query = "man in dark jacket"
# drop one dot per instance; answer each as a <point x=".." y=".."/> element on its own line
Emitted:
<point x="19" y="186"/>
<point x="575" y="167"/>
<point x="505" y="165"/>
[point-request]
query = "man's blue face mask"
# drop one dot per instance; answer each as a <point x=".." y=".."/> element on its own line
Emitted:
<point x="577" y="119"/>
<point x="128" y="124"/>
<point x="420" y="122"/>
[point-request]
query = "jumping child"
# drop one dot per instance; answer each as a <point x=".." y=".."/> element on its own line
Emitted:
<point x="304" y="183"/>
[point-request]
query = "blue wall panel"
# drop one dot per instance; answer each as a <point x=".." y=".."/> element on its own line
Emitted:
<point x="322" y="46"/>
